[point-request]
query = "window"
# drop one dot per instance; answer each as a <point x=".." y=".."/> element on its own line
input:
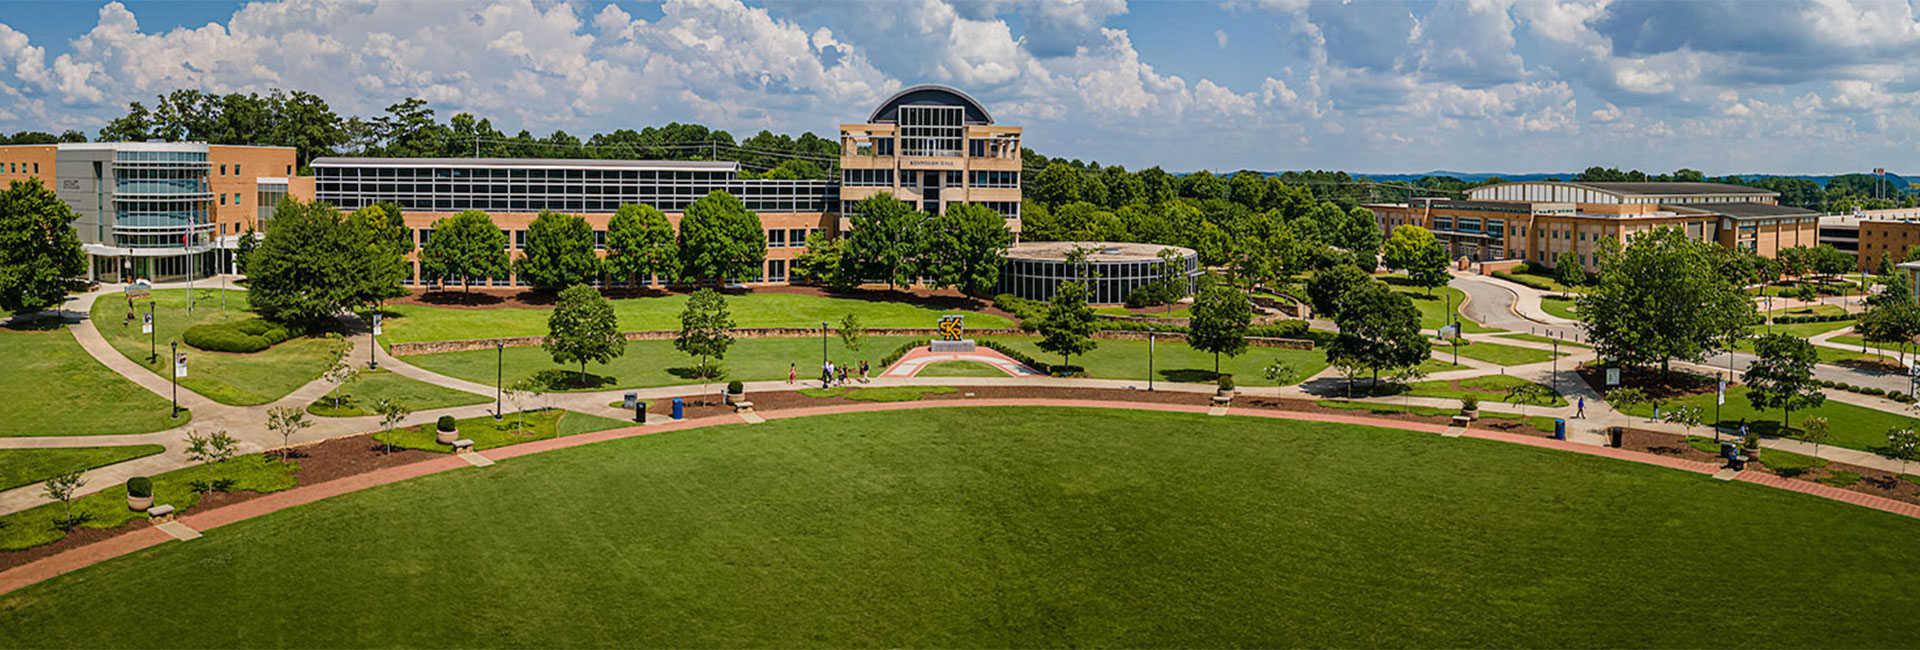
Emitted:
<point x="223" y="170"/>
<point x="520" y="239"/>
<point x="223" y="199"/>
<point x="930" y="130"/>
<point x="776" y="270"/>
<point x="776" y="238"/>
<point x="995" y="179"/>
<point x="236" y="170"/>
<point x="600" y="239"/>
<point x="867" y="177"/>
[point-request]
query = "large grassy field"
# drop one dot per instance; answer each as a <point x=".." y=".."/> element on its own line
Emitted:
<point x="1050" y="527"/>
<point x="28" y="466"/>
<point x="1856" y="427"/>
<point x="50" y="386"/>
<point x="1495" y="353"/>
<point x="657" y="363"/>
<point x="238" y="379"/>
<point x="1174" y="361"/>
<point x="412" y="323"/>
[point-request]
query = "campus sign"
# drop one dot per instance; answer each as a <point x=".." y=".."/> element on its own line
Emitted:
<point x="950" y="328"/>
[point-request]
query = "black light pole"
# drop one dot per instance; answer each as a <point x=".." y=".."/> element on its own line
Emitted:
<point x="153" y="350"/>
<point x="373" y="324"/>
<point x="174" y="377"/>
<point x="823" y="355"/>
<point x="1149" y="361"/>
<point x="1556" y="364"/>
<point x="499" y="372"/>
<point x="1719" y="395"/>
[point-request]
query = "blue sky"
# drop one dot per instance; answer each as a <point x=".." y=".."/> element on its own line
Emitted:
<point x="1371" y="86"/>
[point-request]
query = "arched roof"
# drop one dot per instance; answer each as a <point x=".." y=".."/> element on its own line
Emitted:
<point x="931" y="95"/>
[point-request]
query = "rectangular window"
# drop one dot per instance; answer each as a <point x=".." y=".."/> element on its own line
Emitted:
<point x="776" y="270"/>
<point x="796" y="237"/>
<point x="520" y="239"/>
<point x="776" y="238"/>
<point x="600" y="239"/>
<point x="223" y="170"/>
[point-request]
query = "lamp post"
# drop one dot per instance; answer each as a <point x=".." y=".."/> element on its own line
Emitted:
<point x="1150" y="362"/>
<point x="373" y="329"/>
<point x="1556" y="363"/>
<point x="823" y="355"/>
<point x="174" y="378"/>
<point x="499" y="373"/>
<point x="153" y="350"/>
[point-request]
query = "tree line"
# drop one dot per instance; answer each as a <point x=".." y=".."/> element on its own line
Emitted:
<point x="962" y="247"/>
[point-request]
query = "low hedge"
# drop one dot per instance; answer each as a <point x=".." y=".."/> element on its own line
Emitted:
<point x="1017" y="355"/>
<point x="1523" y="280"/>
<point x="1813" y="318"/>
<point x="140" y="486"/>
<point x="887" y="361"/>
<point x="1894" y="395"/>
<point x="241" y="336"/>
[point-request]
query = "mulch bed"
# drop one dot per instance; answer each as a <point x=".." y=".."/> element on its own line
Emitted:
<point x="1671" y="386"/>
<point x="1872" y="481"/>
<point x="319" y="462"/>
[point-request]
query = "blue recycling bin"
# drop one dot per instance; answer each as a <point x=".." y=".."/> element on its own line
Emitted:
<point x="1559" y="429"/>
<point x="679" y="409"/>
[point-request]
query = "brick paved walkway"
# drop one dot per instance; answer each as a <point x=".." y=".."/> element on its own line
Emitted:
<point x="145" y="538"/>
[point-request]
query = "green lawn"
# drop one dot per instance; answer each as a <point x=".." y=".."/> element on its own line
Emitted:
<point x="28" y="466"/>
<point x="1433" y="365"/>
<point x="50" y="386"/>
<point x="1490" y="388"/>
<point x="1536" y="338"/>
<point x="1854" y="427"/>
<point x="1179" y="311"/>
<point x="1052" y="528"/>
<point x="960" y="369"/>
<point x="1495" y="353"/>
<point x="515" y="428"/>
<point x="237" y="379"/>
<point x="411" y="323"/>
<point x="1173" y="361"/>
<point x="657" y="363"/>
<point x="1433" y="308"/>
<point x="1559" y="307"/>
<point x="1816" y="310"/>
<point x="108" y="508"/>
<point x="879" y="393"/>
<point x="363" y="395"/>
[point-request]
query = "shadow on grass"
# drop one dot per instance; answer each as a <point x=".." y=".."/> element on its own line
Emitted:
<point x="1189" y="375"/>
<point x="457" y="298"/>
<point x="715" y="373"/>
<point x="35" y="323"/>
<point x="558" y="379"/>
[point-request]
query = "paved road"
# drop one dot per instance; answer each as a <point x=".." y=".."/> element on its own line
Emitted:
<point x="1496" y="304"/>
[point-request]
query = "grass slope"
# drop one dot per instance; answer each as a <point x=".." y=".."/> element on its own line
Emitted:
<point x="657" y="363"/>
<point x="237" y="379"/>
<point x="515" y="428"/>
<point x="1433" y="304"/>
<point x="50" y="386"/>
<point x="412" y="323"/>
<point x="960" y="369"/>
<point x="28" y="466"/>
<point x="1855" y="427"/>
<point x="1057" y="527"/>
<point x="108" y="508"/>
<point x="1495" y="353"/>
<point x="1176" y="361"/>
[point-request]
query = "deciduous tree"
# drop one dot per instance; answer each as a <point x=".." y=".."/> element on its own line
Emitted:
<point x="1221" y="315"/>
<point x="1661" y="298"/>
<point x="1782" y="377"/>
<point x="964" y="248"/>
<point x="885" y="239"/>
<point x="39" y="249"/>
<point x="705" y="328"/>
<point x="721" y="240"/>
<point x="640" y="244"/>
<point x="1068" y="327"/>
<point x="583" y="328"/>
<point x="1379" y="330"/>
<point x="558" y="252"/>
<point x="465" y="248"/>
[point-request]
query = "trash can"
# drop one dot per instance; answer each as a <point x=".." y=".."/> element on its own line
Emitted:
<point x="679" y="409"/>
<point x="640" y="412"/>
<point x="1559" y="429"/>
<point x="1614" y="434"/>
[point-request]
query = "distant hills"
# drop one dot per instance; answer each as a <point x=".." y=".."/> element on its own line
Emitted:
<point x="1894" y="180"/>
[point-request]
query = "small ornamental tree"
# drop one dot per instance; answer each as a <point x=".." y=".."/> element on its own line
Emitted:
<point x="1687" y="417"/>
<point x="1626" y="398"/>
<point x="583" y="328"/>
<point x="39" y="248"/>
<point x="641" y="244"/>
<point x="1782" y="377"/>
<point x="1068" y="327"/>
<point x="558" y="252"/>
<point x="1221" y="315"/>
<point x="705" y="329"/>
<point x="852" y="334"/>
<point x="287" y="422"/>
<point x="1814" y="431"/>
<point x="1903" y="445"/>
<point x="211" y="448"/>
<point x="1280" y="373"/>
<point x="391" y="413"/>
<point x="62" y="487"/>
<point x="464" y="248"/>
<point x="341" y="373"/>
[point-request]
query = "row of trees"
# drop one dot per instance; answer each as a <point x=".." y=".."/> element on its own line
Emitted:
<point x="962" y="247"/>
<point x="306" y="122"/>
<point x="1379" y="327"/>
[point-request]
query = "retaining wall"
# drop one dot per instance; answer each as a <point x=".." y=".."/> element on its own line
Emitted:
<point x="466" y="345"/>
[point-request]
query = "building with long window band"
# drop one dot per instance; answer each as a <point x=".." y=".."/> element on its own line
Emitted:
<point x="156" y="210"/>
<point x="171" y="210"/>
<point x="1112" y="271"/>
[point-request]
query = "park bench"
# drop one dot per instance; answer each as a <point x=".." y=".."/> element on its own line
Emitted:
<point x="742" y="406"/>
<point x="463" y="445"/>
<point x="1462" y="420"/>
<point x="160" y="514"/>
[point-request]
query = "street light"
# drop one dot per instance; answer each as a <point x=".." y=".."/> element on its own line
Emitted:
<point x="499" y="372"/>
<point x="153" y="351"/>
<point x="373" y="329"/>
<point x="1149" y="362"/>
<point x="823" y="355"/>
<point x="174" y="378"/>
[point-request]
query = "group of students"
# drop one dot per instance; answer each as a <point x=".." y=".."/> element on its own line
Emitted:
<point x="830" y="374"/>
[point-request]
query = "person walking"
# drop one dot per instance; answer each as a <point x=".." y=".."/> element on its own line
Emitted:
<point x="863" y="371"/>
<point x="793" y="373"/>
<point x="1581" y="410"/>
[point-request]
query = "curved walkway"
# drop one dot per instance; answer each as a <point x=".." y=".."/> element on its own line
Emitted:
<point x="911" y="363"/>
<point x="144" y="538"/>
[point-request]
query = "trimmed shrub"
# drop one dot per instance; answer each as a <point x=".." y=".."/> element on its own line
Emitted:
<point x="1225" y="382"/>
<point x="1523" y="280"/>
<point x="1845" y="386"/>
<point x="445" y="423"/>
<point x="1017" y="355"/>
<point x="1872" y="390"/>
<point x="242" y="336"/>
<point x="887" y="361"/>
<point x="1285" y="329"/>
<point x="736" y="387"/>
<point x="140" y="486"/>
<point x="1470" y="402"/>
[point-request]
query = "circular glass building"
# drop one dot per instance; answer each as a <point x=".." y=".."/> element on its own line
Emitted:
<point x="1034" y="270"/>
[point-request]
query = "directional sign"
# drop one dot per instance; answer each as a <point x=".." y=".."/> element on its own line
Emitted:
<point x="376" y="324"/>
<point x="146" y="323"/>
